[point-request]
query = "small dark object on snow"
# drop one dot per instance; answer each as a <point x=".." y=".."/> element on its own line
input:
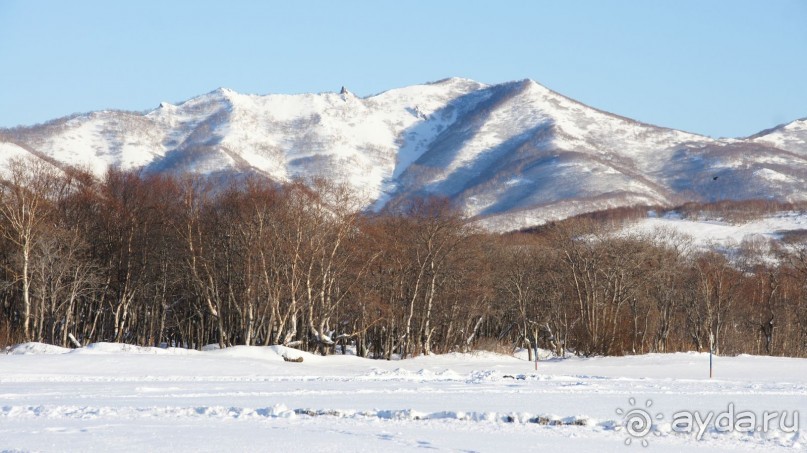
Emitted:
<point x="543" y="420"/>
<point x="290" y="359"/>
<point x="715" y="178"/>
<point x="520" y="377"/>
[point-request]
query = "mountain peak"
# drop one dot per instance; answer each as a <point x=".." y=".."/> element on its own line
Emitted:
<point x="221" y="93"/>
<point x="790" y="136"/>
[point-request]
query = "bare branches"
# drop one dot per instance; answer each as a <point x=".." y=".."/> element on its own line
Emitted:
<point x="184" y="262"/>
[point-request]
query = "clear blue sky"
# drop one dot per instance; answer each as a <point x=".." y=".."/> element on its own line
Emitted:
<point x="721" y="68"/>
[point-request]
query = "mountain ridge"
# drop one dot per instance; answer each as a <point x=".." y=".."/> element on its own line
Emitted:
<point x="510" y="155"/>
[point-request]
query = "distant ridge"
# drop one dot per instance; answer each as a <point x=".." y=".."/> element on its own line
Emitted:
<point x="511" y="155"/>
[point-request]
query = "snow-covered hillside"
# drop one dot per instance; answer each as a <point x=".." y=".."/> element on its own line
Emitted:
<point x="122" y="398"/>
<point x="10" y="151"/>
<point x="512" y="155"/>
<point x="790" y="137"/>
<point x="718" y="233"/>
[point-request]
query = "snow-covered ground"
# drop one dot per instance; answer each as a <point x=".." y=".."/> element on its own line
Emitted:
<point x="721" y="234"/>
<point x="110" y="397"/>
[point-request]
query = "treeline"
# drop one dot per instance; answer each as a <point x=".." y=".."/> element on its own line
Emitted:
<point x="160" y="260"/>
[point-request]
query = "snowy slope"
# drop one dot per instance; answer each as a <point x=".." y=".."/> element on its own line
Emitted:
<point x="791" y="137"/>
<point x="721" y="234"/>
<point x="511" y="155"/>
<point x="117" y="397"/>
<point x="10" y="151"/>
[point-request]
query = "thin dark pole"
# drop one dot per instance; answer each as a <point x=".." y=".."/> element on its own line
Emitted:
<point x="711" y="352"/>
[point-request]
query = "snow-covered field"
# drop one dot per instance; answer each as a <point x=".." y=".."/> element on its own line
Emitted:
<point x="109" y="397"/>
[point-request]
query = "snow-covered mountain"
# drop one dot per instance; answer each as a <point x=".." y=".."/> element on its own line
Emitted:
<point x="511" y="155"/>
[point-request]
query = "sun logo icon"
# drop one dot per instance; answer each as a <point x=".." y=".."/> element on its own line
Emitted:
<point x="637" y="421"/>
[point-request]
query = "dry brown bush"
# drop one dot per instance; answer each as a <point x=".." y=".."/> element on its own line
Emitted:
<point x="493" y="345"/>
<point x="733" y="211"/>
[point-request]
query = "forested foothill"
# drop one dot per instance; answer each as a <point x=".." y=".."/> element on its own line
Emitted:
<point x="182" y="261"/>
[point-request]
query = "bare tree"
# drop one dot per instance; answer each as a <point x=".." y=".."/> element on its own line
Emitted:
<point x="25" y="204"/>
